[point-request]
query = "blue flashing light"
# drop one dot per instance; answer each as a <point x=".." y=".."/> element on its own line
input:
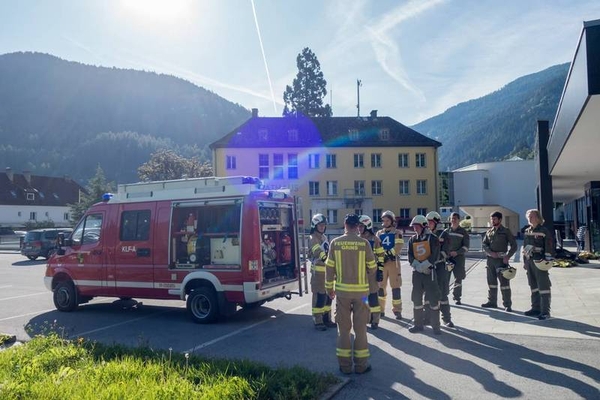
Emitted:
<point x="107" y="196"/>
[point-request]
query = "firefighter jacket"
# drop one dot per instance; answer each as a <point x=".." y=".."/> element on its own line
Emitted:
<point x="455" y="240"/>
<point x="392" y="242"/>
<point x="424" y="247"/>
<point x="318" y="248"/>
<point x="497" y="240"/>
<point x="375" y="243"/>
<point x="350" y="264"/>
<point x="541" y="241"/>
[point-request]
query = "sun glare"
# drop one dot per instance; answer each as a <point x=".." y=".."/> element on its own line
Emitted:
<point x="157" y="11"/>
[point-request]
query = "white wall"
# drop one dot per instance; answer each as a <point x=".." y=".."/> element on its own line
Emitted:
<point x="9" y="215"/>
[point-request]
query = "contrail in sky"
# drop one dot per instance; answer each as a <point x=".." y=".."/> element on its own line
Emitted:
<point x="264" y="57"/>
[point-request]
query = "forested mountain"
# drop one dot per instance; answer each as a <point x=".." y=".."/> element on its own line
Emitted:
<point x="59" y="117"/>
<point x="498" y="125"/>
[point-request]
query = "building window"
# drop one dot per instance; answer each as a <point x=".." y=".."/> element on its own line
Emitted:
<point x="331" y="160"/>
<point x="30" y="196"/>
<point x="405" y="213"/>
<point x="135" y="225"/>
<point x="293" y="135"/>
<point x="18" y="213"/>
<point x="263" y="135"/>
<point x="292" y="166"/>
<point x="47" y="214"/>
<point x="403" y="160"/>
<point x="404" y="187"/>
<point x="421" y="186"/>
<point x="376" y="189"/>
<point x="263" y="166"/>
<point x="278" y="166"/>
<point x="294" y="187"/>
<point x="32" y="216"/>
<point x="313" y="188"/>
<point x="332" y="216"/>
<point x="358" y="211"/>
<point x="422" y="211"/>
<point x="332" y="188"/>
<point x="359" y="188"/>
<point x="66" y="216"/>
<point x="353" y="134"/>
<point x="420" y="160"/>
<point x="384" y="134"/>
<point x="376" y="160"/>
<point x="230" y="162"/>
<point x="486" y="183"/>
<point x="377" y="215"/>
<point x="359" y="161"/>
<point x="313" y="161"/>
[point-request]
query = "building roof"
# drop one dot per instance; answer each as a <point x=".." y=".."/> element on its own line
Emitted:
<point x="260" y="132"/>
<point x="46" y="190"/>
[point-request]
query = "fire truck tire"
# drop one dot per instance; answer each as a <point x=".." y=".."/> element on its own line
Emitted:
<point x="65" y="296"/>
<point x="202" y="305"/>
<point x="32" y="258"/>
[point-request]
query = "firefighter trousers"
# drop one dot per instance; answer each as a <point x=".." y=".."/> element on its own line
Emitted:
<point x="321" y="302"/>
<point x="426" y="285"/>
<point x="493" y="277"/>
<point x="351" y="313"/>
<point x="391" y="273"/>
<point x="539" y="282"/>
<point x="443" y="280"/>
<point x="460" y="274"/>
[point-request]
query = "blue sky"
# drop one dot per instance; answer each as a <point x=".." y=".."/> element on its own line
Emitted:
<point x="415" y="58"/>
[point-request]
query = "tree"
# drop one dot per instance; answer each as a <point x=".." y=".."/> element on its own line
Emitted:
<point x="308" y="89"/>
<point x="97" y="186"/>
<point x="166" y="164"/>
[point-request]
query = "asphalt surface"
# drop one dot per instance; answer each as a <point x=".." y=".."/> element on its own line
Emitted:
<point x="489" y="354"/>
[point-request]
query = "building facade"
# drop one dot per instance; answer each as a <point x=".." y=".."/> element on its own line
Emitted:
<point x="337" y="165"/>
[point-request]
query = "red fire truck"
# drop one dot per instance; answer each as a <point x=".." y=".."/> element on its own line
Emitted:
<point x="215" y="242"/>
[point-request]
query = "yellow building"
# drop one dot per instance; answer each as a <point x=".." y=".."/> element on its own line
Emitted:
<point x="337" y="165"/>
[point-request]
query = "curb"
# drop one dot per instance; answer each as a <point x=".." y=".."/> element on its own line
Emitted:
<point x="329" y="394"/>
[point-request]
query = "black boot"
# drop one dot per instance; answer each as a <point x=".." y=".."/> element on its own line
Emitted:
<point x="328" y="322"/>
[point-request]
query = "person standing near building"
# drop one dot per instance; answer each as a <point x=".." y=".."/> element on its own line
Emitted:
<point x="423" y="252"/>
<point x="496" y="246"/>
<point x="392" y="242"/>
<point x="350" y="264"/>
<point x="455" y="245"/>
<point x="365" y="229"/>
<point x="581" y="232"/>
<point x="538" y="254"/>
<point x="318" y="248"/>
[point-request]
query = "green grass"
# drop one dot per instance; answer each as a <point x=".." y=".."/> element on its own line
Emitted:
<point x="49" y="367"/>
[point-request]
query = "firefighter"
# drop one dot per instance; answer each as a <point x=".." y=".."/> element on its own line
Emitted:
<point x="538" y="260"/>
<point x="423" y="252"/>
<point x="318" y="248"/>
<point x="496" y="246"/>
<point x="392" y="242"/>
<point x="365" y="228"/>
<point x="456" y="241"/>
<point x="350" y="264"/>
<point x="442" y="274"/>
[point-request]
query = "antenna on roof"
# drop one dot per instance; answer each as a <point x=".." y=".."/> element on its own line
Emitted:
<point x="358" y="85"/>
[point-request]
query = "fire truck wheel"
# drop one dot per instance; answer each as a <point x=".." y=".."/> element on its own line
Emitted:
<point x="65" y="296"/>
<point x="202" y="305"/>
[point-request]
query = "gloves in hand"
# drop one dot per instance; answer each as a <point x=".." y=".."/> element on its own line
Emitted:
<point x="379" y="273"/>
<point x="323" y="257"/>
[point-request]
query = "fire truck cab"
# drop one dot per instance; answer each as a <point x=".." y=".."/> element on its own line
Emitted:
<point x="215" y="242"/>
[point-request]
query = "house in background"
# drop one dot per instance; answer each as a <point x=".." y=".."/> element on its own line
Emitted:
<point x="574" y="140"/>
<point x="337" y="165"/>
<point x="26" y="198"/>
<point x="507" y="186"/>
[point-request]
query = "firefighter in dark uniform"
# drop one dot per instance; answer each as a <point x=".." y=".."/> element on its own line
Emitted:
<point x="455" y="245"/>
<point x="538" y="254"/>
<point x="392" y="242"/>
<point x="350" y="264"/>
<point x="496" y="246"/>
<point x="423" y="252"/>
<point x="442" y="274"/>
<point x="318" y="248"/>
<point x="365" y="229"/>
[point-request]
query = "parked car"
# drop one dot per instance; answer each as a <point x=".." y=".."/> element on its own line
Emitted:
<point x="10" y="237"/>
<point x="41" y="242"/>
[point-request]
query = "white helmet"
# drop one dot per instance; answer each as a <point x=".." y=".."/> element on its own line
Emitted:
<point x="419" y="220"/>
<point x="317" y="219"/>
<point x="433" y="216"/>
<point x="509" y="272"/>
<point x="389" y="214"/>
<point x="366" y="221"/>
<point x="543" y="264"/>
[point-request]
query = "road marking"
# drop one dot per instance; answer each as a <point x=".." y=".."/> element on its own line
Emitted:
<point x="4" y="287"/>
<point x="25" y="315"/>
<point x="24" y="295"/>
<point x="80" y="334"/>
<point x="211" y="342"/>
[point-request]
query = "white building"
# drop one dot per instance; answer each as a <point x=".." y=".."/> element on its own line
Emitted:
<point x="506" y="186"/>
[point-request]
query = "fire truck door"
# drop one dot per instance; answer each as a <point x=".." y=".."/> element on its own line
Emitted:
<point x="134" y="253"/>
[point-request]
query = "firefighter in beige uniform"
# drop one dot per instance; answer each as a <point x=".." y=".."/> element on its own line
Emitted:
<point x="365" y="229"/>
<point x="318" y="248"/>
<point x="392" y="242"/>
<point x="350" y="264"/>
